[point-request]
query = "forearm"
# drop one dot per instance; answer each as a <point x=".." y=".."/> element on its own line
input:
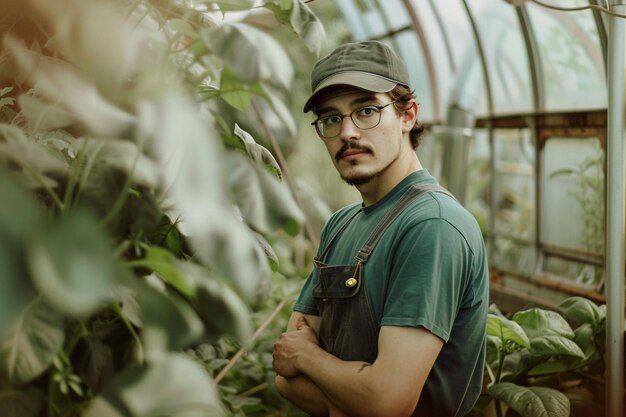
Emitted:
<point x="304" y="394"/>
<point x="358" y="388"/>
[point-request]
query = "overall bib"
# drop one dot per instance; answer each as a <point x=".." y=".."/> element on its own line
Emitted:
<point x="348" y="328"/>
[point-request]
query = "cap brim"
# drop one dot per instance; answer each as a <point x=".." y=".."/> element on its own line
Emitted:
<point x="363" y="80"/>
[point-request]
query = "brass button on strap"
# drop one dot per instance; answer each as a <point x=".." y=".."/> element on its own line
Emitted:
<point x="350" y="282"/>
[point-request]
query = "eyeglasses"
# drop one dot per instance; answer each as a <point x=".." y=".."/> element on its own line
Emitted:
<point x="367" y="117"/>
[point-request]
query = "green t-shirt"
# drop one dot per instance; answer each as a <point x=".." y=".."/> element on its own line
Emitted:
<point x="429" y="269"/>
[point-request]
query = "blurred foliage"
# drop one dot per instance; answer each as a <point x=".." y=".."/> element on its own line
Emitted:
<point x="141" y="227"/>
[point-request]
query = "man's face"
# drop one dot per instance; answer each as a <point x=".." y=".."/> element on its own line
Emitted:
<point x="360" y="155"/>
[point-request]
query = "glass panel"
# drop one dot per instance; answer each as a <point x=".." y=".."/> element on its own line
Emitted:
<point x="506" y="54"/>
<point x="571" y="56"/>
<point x="440" y="50"/>
<point x="513" y="256"/>
<point x="479" y="178"/>
<point x="578" y="272"/>
<point x="430" y="154"/>
<point x="466" y="89"/>
<point x="514" y="205"/>
<point x="573" y="194"/>
<point x="353" y="12"/>
<point x="394" y="14"/>
<point x="408" y="47"/>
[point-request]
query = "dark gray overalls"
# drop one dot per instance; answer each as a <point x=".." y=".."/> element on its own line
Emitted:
<point x="348" y="328"/>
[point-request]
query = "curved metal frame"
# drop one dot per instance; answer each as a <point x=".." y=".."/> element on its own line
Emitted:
<point x="430" y="66"/>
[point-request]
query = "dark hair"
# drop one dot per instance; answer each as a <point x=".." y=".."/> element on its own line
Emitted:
<point x="403" y="94"/>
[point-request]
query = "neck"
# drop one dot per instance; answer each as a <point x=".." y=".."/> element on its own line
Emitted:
<point x="378" y="187"/>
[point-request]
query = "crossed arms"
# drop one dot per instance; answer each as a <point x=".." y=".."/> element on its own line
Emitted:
<point x="322" y="384"/>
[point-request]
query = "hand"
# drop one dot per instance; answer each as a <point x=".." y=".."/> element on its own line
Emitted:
<point x="290" y="345"/>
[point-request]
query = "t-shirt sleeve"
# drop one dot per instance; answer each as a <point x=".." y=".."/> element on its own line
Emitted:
<point x="426" y="281"/>
<point x="305" y="302"/>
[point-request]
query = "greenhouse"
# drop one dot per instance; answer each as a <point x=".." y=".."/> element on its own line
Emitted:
<point x="179" y="238"/>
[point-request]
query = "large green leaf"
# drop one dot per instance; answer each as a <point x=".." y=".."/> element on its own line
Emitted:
<point x="30" y="344"/>
<point x="549" y="368"/>
<point x="167" y="235"/>
<point x="538" y="322"/>
<point x="304" y="22"/>
<point x="506" y="330"/>
<point x="252" y="55"/>
<point x="33" y="159"/>
<point x="120" y="154"/>
<point x="581" y="310"/>
<point x="94" y="363"/>
<point x="584" y="337"/>
<point x="234" y="92"/>
<point x="111" y="60"/>
<point x="57" y="81"/>
<point x="42" y="116"/>
<point x="192" y="173"/>
<point x="72" y="265"/>
<point x="167" y="267"/>
<point x="218" y="306"/>
<point x="15" y="291"/>
<point x="169" y="322"/>
<point x="20" y="220"/>
<point x="175" y="385"/>
<point x="265" y="203"/>
<point x="258" y="153"/>
<point x="532" y="401"/>
<point x="27" y="403"/>
<point x="268" y="250"/>
<point x="555" y="345"/>
<point x="274" y="114"/>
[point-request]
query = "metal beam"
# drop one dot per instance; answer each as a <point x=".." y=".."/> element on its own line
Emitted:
<point x="615" y="193"/>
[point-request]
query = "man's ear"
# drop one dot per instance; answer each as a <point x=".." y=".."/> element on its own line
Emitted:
<point x="409" y="116"/>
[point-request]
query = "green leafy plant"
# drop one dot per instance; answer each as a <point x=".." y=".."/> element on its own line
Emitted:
<point x="135" y="221"/>
<point x="542" y="365"/>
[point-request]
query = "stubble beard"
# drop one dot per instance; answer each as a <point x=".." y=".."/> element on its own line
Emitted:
<point x="359" y="179"/>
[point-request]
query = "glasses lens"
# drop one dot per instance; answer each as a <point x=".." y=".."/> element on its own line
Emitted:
<point x="366" y="117"/>
<point x="328" y="127"/>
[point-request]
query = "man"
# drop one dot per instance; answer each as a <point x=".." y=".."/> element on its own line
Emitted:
<point x="391" y="321"/>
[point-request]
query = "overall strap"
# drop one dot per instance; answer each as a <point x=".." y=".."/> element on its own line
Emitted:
<point x="411" y="195"/>
<point x="322" y="257"/>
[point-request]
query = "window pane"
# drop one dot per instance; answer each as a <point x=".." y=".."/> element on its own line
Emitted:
<point x="394" y="14"/>
<point x="410" y="50"/>
<point x="363" y="18"/>
<point x="478" y="178"/>
<point x="440" y="47"/>
<point x="573" y="194"/>
<point x="571" y="56"/>
<point x="468" y="88"/>
<point x="430" y="153"/>
<point x="578" y="272"/>
<point x="510" y="255"/>
<point x="506" y="55"/>
<point x="514" y="193"/>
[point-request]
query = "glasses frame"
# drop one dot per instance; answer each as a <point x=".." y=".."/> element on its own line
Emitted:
<point x="351" y="114"/>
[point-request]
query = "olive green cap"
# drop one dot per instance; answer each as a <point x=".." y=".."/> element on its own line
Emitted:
<point x="368" y="65"/>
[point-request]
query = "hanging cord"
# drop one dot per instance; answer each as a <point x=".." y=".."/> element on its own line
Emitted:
<point x="574" y="9"/>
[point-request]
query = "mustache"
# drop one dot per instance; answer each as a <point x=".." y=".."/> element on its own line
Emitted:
<point x="351" y="146"/>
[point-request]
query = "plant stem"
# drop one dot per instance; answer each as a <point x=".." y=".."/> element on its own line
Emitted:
<point x="131" y="329"/>
<point x="256" y="334"/>
<point x="497" y="380"/>
<point x="253" y="390"/>
<point x="500" y="366"/>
